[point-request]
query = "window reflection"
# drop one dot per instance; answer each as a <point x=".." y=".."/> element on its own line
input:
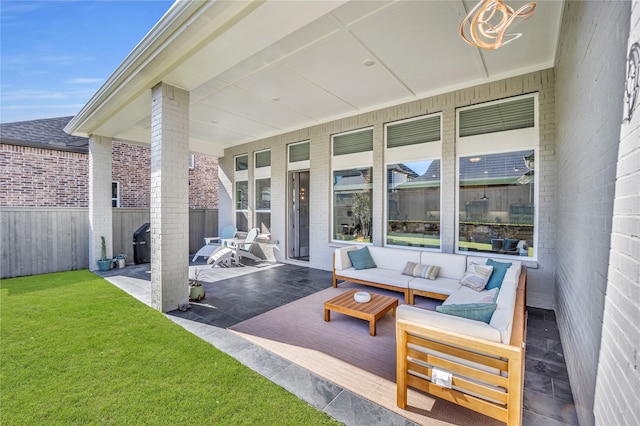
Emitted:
<point x="413" y="204"/>
<point x="497" y="204"/>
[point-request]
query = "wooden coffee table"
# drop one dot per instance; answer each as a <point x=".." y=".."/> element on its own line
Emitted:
<point x="371" y="311"/>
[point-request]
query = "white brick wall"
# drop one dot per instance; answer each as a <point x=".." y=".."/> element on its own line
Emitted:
<point x="169" y="197"/>
<point x="590" y="83"/>
<point x="99" y="198"/>
<point x="617" y="393"/>
<point x="540" y="276"/>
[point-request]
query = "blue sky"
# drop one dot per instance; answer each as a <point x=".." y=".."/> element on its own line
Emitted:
<point x="56" y="54"/>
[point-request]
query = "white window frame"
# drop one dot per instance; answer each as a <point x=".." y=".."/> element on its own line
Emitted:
<point x="260" y="173"/>
<point x="298" y="165"/>
<point x="117" y="199"/>
<point x="349" y="162"/>
<point x="428" y="151"/>
<point x="240" y="176"/>
<point x="496" y="143"/>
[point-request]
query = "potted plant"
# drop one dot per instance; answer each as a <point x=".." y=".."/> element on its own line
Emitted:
<point x="104" y="264"/>
<point x="196" y="290"/>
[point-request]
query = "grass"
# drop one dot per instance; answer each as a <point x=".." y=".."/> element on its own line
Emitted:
<point x="76" y="350"/>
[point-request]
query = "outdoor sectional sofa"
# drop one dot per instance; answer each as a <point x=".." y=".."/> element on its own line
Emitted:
<point x="476" y="364"/>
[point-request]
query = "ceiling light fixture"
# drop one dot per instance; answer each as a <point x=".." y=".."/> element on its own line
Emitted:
<point x="489" y="19"/>
<point x="368" y="62"/>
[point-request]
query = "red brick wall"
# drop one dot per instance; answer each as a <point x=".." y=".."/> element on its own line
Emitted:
<point x="132" y="170"/>
<point x="203" y="183"/>
<point x="35" y="177"/>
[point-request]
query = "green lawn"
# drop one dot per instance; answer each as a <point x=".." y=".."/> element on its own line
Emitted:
<point x="76" y="350"/>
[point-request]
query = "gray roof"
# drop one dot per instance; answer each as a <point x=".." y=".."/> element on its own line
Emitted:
<point x="46" y="133"/>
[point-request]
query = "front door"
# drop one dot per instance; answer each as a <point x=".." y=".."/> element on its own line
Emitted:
<point x="298" y="216"/>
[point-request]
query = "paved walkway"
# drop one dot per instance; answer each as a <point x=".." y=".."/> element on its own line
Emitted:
<point x="238" y="293"/>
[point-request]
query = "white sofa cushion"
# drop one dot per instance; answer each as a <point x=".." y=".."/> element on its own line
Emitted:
<point x="502" y="319"/>
<point x="451" y="265"/>
<point x="378" y="275"/>
<point x="448" y="322"/>
<point x="466" y="295"/>
<point x="440" y="285"/>
<point x="393" y="259"/>
<point x="342" y="260"/>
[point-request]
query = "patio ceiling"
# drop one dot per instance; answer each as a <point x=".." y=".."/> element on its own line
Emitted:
<point x="257" y="69"/>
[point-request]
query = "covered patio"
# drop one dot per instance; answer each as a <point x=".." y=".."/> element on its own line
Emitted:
<point x="323" y="379"/>
<point x="294" y="97"/>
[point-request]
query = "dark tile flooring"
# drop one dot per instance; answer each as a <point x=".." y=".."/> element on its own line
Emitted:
<point x="238" y="293"/>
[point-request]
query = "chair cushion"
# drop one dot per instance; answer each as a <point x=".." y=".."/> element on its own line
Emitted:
<point x="474" y="311"/>
<point x="477" y="276"/>
<point x="509" y="244"/>
<point x="361" y="259"/>
<point x="421" y="271"/>
<point x="497" y="276"/>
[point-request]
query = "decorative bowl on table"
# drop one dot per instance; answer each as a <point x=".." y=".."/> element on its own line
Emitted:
<point x="362" y="297"/>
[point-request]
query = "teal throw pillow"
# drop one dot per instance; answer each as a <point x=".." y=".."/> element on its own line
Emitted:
<point x="474" y="311"/>
<point x="497" y="276"/>
<point x="361" y="259"/>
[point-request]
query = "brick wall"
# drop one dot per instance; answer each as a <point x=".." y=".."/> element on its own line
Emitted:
<point x="35" y="177"/>
<point x="132" y="170"/>
<point x="203" y="183"/>
<point x="617" y="394"/>
<point x="590" y="74"/>
<point x="541" y="274"/>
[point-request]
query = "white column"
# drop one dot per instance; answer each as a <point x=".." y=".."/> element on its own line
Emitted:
<point x="100" y="224"/>
<point x="169" y="197"/>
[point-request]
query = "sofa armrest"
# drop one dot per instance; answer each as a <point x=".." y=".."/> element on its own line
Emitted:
<point x="341" y="258"/>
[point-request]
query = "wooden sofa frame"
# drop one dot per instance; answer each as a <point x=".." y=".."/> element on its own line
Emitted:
<point x="506" y="404"/>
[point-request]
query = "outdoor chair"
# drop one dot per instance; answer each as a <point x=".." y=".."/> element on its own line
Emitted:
<point x="242" y="248"/>
<point x="213" y="243"/>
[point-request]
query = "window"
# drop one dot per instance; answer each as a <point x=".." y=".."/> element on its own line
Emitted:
<point x="242" y="205"/>
<point x="241" y="192"/>
<point x="413" y="200"/>
<point x="352" y="204"/>
<point x="242" y="163"/>
<point x="496" y="147"/>
<point x="192" y="161"/>
<point x="497" y="203"/>
<point x="115" y="194"/>
<point x="352" y="186"/>
<point x="299" y="154"/>
<point x="262" y="174"/>
<point x="413" y="150"/>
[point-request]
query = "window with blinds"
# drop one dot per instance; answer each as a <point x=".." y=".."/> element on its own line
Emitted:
<point x="510" y="115"/>
<point x="242" y="163"/>
<point x="263" y="159"/>
<point x="299" y="152"/>
<point x="413" y="132"/>
<point x="352" y="143"/>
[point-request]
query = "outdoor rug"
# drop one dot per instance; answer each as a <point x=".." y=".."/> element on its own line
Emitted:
<point x="343" y="352"/>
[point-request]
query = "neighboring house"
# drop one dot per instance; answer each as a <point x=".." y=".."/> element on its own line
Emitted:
<point x="311" y="108"/>
<point x="42" y="166"/>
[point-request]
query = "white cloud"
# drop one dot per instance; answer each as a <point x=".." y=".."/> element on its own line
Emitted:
<point x="84" y="80"/>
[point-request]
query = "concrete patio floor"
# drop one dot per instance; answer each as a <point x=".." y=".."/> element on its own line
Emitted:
<point x="235" y="294"/>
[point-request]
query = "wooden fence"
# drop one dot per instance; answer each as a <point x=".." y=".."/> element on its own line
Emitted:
<point x="40" y="240"/>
